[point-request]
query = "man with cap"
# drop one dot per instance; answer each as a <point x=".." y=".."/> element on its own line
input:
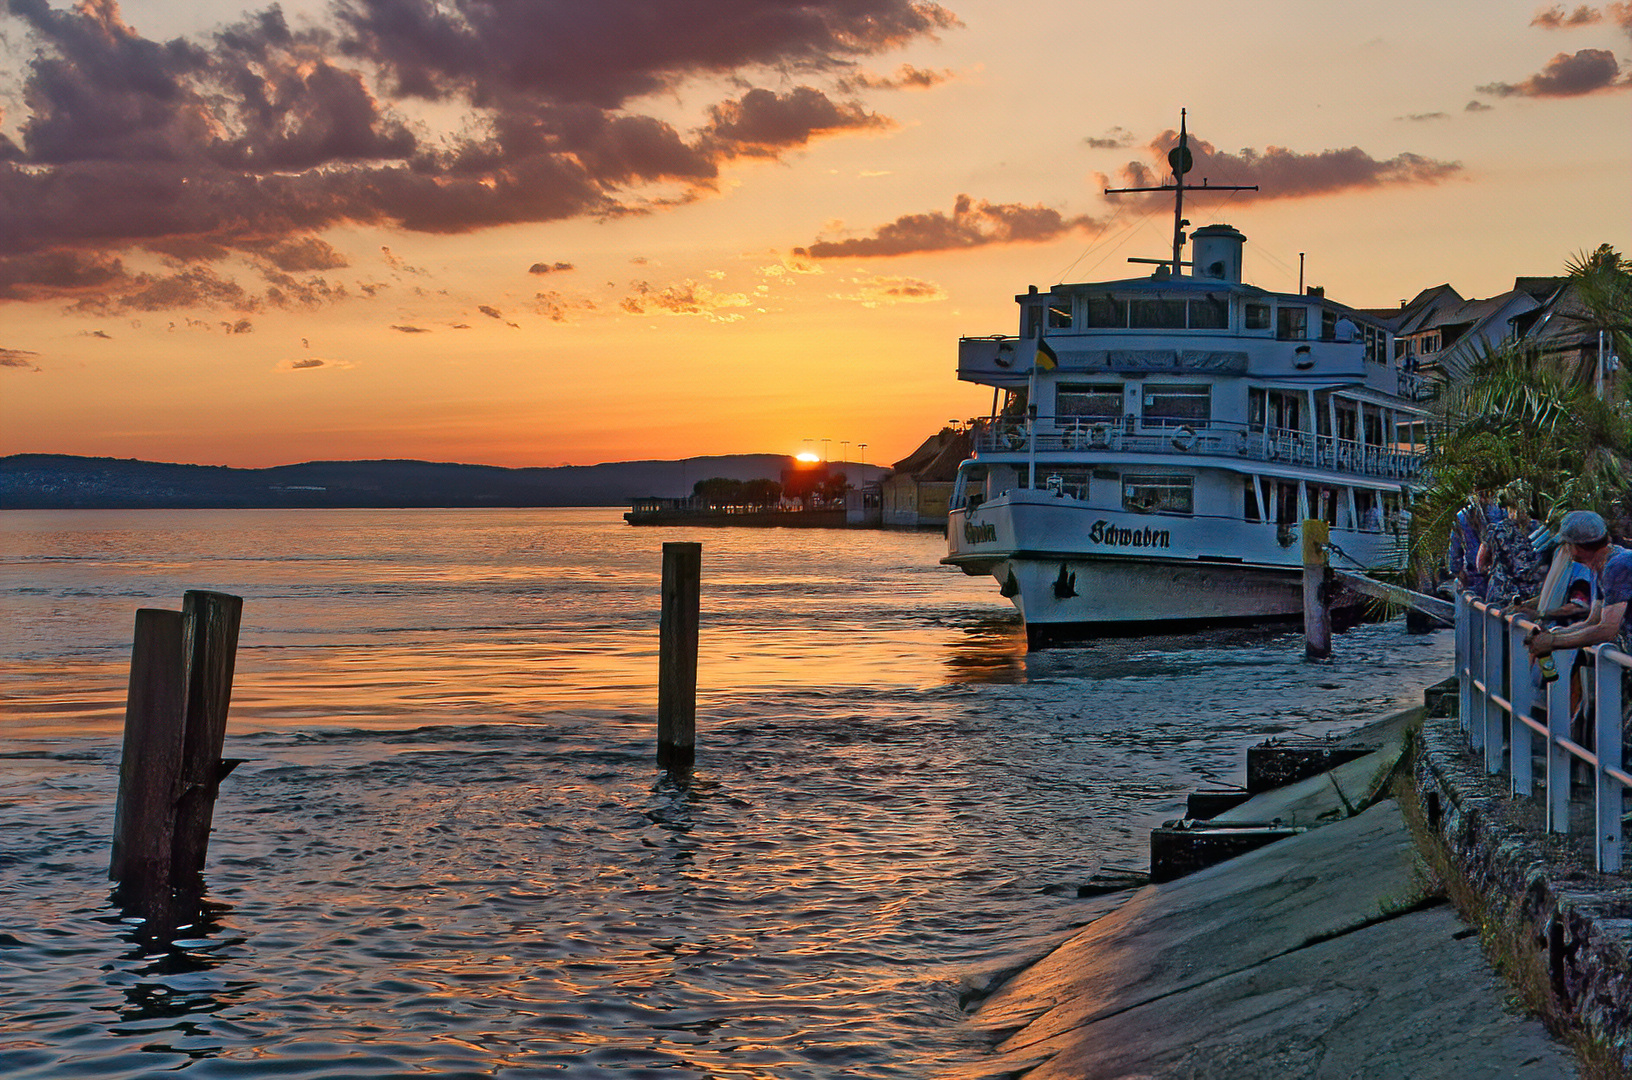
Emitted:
<point x="1588" y="543"/>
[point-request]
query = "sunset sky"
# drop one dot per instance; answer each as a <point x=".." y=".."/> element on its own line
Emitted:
<point x="535" y="232"/>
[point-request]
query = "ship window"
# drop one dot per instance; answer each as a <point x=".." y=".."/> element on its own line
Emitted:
<point x="1106" y="310"/>
<point x="1249" y="506"/>
<point x="1208" y="313"/>
<point x="1034" y="321"/>
<point x="1328" y="325"/>
<point x="1292" y="323"/>
<point x="1089" y="402"/>
<point x="1059" y="316"/>
<point x="1071" y="481"/>
<point x="1257" y="317"/>
<point x="1156" y="314"/>
<point x="1178" y="406"/>
<point x="1159" y="494"/>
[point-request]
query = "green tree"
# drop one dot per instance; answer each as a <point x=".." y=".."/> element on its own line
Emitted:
<point x="762" y="494"/>
<point x="1602" y="282"/>
<point x="834" y="488"/>
<point x="1520" y="417"/>
<point x="719" y="491"/>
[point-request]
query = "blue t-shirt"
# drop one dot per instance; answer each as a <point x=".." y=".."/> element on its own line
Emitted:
<point x="1615" y="587"/>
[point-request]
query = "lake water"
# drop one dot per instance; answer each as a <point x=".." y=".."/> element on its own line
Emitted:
<point x="450" y="853"/>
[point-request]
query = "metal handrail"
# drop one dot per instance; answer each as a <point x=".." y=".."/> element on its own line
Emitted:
<point x="1288" y="446"/>
<point x="1496" y="696"/>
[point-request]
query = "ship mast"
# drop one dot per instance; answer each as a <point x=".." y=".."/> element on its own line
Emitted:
<point x="1182" y="161"/>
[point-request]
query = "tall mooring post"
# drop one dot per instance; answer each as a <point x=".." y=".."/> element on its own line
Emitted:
<point x="181" y="667"/>
<point x="677" y="656"/>
<point x="1317" y="614"/>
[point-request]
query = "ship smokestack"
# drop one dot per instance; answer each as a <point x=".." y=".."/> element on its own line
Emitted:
<point x="1215" y="252"/>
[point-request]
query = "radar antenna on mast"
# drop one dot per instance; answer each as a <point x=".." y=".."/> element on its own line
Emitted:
<point x="1181" y="161"/>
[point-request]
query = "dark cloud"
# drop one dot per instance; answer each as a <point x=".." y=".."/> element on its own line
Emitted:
<point x="411" y="329"/>
<point x="21" y="359"/>
<point x="550" y="268"/>
<point x="1287" y="174"/>
<point x="56" y="273"/>
<point x="559" y="308"/>
<point x="246" y="143"/>
<point x="298" y="254"/>
<point x="762" y="123"/>
<point x="103" y="334"/>
<point x="195" y="287"/>
<point x="289" y="292"/>
<point x="1556" y="17"/>
<point x="490" y="312"/>
<point x="606" y="53"/>
<point x="1118" y="138"/>
<point x="1420" y="117"/>
<point x="304" y="365"/>
<point x="1567" y="75"/>
<point x="970" y="225"/>
<point x="1477" y="106"/>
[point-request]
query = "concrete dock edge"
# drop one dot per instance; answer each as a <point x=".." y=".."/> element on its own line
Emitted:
<point x="1567" y="924"/>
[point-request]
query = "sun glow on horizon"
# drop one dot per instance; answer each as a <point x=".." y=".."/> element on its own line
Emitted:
<point x="807" y="456"/>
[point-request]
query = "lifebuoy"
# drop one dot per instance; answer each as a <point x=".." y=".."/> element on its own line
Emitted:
<point x="1184" y="439"/>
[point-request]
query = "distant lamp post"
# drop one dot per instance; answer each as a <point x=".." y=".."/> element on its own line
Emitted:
<point x="824" y="448"/>
<point x="863" y="448"/>
<point x="844" y="452"/>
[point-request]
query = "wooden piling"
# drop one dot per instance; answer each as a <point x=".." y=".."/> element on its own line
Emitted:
<point x="150" y="768"/>
<point x="212" y="621"/>
<point x="181" y="667"/>
<point x="677" y="656"/>
<point x="1317" y="615"/>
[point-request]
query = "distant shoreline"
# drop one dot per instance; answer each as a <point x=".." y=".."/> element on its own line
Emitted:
<point x="65" y="482"/>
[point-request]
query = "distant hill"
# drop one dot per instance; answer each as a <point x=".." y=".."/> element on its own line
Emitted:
<point x="59" y="481"/>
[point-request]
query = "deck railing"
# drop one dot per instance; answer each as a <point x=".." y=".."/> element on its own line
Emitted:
<point x="1216" y="439"/>
<point x="1499" y="696"/>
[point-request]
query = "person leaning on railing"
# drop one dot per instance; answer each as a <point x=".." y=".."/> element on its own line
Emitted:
<point x="1587" y="538"/>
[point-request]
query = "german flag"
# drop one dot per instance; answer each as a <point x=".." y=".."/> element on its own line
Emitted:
<point x="1047" y="359"/>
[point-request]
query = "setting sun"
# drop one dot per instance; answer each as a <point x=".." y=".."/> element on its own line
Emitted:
<point x="806" y="456"/>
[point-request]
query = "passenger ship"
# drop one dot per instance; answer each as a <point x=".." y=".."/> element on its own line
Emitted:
<point x="1155" y="442"/>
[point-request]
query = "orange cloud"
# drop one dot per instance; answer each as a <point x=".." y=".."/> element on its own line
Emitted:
<point x="970" y="225"/>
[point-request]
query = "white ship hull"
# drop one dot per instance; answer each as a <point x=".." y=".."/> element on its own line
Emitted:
<point x="1076" y="571"/>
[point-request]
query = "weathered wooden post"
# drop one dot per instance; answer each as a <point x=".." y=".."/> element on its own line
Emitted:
<point x="677" y="656"/>
<point x="181" y="667"/>
<point x="150" y="769"/>
<point x="1317" y="616"/>
<point x="212" y="619"/>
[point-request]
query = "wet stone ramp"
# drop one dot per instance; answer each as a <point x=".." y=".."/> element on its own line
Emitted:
<point x="1312" y="957"/>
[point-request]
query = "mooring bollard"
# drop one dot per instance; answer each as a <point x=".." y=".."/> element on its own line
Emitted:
<point x="677" y="656"/>
<point x="181" y="667"/>
<point x="1317" y="616"/>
